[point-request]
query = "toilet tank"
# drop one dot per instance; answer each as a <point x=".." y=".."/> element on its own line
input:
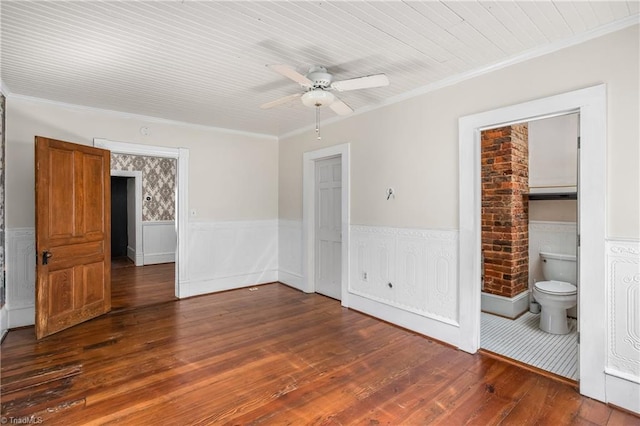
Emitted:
<point x="559" y="267"/>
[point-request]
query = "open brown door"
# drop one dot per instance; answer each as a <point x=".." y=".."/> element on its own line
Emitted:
<point x="73" y="237"/>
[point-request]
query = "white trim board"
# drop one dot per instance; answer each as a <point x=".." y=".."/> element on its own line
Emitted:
<point x="308" y="215"/>
<point x="508" y="307"/>
<point x="182" y="189"/>
<point x="4" y="322"/>
<point x="591" y="104"/>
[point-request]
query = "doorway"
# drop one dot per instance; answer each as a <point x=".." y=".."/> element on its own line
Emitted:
<point x="529" y="209"/>
<point x="134" y="284"/>
<point x="120" y="225"/>
<point x="179" y="268"/>
<point x="591" y="104"/>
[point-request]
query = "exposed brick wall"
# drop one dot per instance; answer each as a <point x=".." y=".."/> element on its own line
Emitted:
<point x="505" y="216"/>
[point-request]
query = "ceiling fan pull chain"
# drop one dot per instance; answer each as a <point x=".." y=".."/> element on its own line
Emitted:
<point x="318" y="121"/>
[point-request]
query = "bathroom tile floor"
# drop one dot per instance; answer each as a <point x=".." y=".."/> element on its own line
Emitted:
<point x="522" y="340"/>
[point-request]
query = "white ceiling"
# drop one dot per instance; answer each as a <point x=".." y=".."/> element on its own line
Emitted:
<point x="204" y="61"/>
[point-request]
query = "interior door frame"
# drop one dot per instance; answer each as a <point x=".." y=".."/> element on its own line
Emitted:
<point x="590" y="103"/>
<point x="137" y="176"/>
<point x="182" y="158"/>
<point x="308" y="216"/>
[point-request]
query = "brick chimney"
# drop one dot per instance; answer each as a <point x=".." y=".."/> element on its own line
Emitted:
<point x="505" y="205"/>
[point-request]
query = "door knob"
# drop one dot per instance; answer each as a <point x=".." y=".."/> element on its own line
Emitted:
<point x="46" y="255"/>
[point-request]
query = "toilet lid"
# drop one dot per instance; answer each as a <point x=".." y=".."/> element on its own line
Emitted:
<point x="556" y="287"/>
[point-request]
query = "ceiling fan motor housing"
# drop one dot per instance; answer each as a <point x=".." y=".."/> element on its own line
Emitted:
<point x="320" y="77"/>
<point x="318" y="98"/>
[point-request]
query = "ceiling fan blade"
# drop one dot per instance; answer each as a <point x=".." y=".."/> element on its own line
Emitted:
<point x="340" y="108"/>
<point x="377" y="80"/>
<point x="280" y="101"/>
<point x="291" y="74"/>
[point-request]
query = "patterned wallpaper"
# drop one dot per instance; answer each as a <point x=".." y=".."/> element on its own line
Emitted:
<point x="158" y="183"/>
<point x="2" y="227"/>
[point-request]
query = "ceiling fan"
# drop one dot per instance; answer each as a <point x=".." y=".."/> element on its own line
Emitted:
<point x="318" y="85"/>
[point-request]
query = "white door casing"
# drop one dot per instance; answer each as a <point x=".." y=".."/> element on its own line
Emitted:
<point x="591" y="104"/>
<point x="328" y="244"/>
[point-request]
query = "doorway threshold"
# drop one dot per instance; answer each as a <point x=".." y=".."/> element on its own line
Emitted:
<point x="523" y="341"/>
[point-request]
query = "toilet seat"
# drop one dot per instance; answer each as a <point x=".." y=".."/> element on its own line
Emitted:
<point x="556" y="288"/>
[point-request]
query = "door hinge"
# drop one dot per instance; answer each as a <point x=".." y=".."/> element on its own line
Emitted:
<point x="578" y="142"/>
<point x="578" y="240"/>
<point x="578" y="335"/>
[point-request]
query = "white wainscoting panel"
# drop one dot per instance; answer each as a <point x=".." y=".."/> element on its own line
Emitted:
<point x="554" y="237"/>
<point x="159" y="241"/>
<point x="411" y="269"/>
<point x="623" y="336"/>
<point x="228" y="255"/>
<point x="21" y="277"/>
<point x="290" y="253"/>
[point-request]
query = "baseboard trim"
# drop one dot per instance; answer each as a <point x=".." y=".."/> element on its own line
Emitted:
<point x="623" y="393"/>
<point x="508" y="307"/>
<point x="20" y="317"/>
<point x="4" y="321"/>
<point x="447" y="333"/>
<point x="155" y="258"/>
<point x="215" y="285"/>
<point x="137" y="258"/>
<point x="291" y="279"/>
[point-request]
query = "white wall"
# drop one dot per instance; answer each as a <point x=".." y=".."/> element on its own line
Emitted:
<point x="232" y="176"/>
<point x="553" y="152"/>
<point x="553" y="210"/>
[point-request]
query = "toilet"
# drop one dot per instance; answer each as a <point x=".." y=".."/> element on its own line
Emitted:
<point x="558" y="293"/>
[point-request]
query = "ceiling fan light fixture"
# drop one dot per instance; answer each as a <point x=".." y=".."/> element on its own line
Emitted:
<point x="318" y="98"/>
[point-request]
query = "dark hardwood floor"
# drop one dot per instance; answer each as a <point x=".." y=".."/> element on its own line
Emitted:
<point x="270" y="356"/>
<point x="133" y="287"/>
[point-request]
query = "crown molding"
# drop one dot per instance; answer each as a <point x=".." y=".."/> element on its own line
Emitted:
<point x="458" y="78"/>
<point x="145" y="118"/>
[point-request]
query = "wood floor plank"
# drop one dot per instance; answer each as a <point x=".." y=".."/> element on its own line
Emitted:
<point x="271" y="356"/>
<point x="134" y="286"/>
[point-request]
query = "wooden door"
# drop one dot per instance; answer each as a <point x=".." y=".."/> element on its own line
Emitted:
<point x="73" y="272"/>
<point x="328" y="280"/>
